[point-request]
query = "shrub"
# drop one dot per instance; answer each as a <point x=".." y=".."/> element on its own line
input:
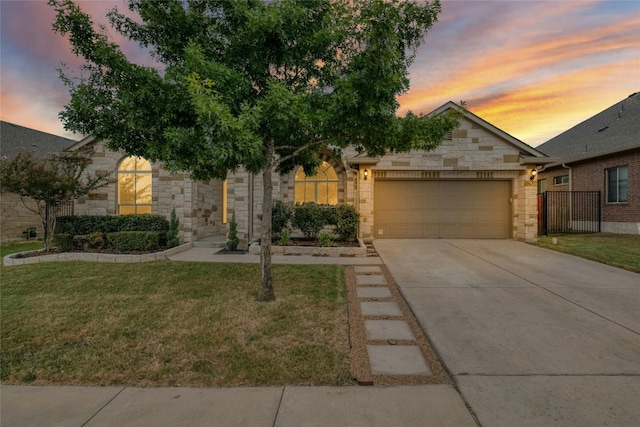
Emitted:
<point x="63" y="241"/>
<point x="285" y="237"/>
<point x="281" y="216"/>
<point x="87" y="224"/>
<point x="96" y="240"/>
<point x="233" y="241"/>
<point x="347" y="221"/>
<point x="172" y="234"/>
<point x="309" y="218"/>
<point x="325" y="239"/>
<point x="126" y="241"/>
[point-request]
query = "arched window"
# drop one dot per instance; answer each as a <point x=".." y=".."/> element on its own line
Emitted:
<point x="321" y="188"/>
<point x="134" y="186"/>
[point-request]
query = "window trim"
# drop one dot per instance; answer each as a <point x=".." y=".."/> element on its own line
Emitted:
<point x="315" y="181"/>
<point x="560" y="178"/>
<point x="134" y="172"/>
<point x="606" y="175"/>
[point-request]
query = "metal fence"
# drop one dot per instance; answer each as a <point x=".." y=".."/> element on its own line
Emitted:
<point x="569" y="212"/>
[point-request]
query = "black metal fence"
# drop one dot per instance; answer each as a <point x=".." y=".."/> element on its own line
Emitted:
<point x="64" y="209"/>
<point x="569" y="212"/>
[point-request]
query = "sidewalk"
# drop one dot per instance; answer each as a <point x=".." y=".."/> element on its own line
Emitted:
<point x="436" y="405"/>
<point x="423" y="405"/>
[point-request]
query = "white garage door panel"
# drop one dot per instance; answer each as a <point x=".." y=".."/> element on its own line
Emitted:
<point x="442" y="209"/>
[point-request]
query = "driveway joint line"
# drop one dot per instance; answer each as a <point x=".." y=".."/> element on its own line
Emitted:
<point x="275" y="419"/>
<point x="547" y="289"/>
<point x="103" y="406"/>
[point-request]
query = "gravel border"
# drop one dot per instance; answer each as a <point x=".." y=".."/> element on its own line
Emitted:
<point x="360" y="367"/>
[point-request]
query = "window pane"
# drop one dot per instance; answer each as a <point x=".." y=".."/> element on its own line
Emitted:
<point x="331" y="173"/>
<point x="126" y="193"/>
<point x="612" y="185"/>
<point x="310" y="192"/>
<point x="322" y="193"/>
<point x="623" y="184"/>
<point x="143" y="188"/>
<point x="299" y="192"/>
<point x="300" y="174"/>
<point x="128" y="164"/>
<point x="143" y="209"/>
<point x="143" y="165"/>
<point x="333" y="193"/>
<point x="127" y="210"/>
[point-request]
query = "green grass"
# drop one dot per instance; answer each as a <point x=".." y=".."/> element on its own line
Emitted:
<point x="172" y="324"/>
<point x="22" y="246"/>
<point x="618" y="250"/>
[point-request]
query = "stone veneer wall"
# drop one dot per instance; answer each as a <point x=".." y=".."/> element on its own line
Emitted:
<point x="16" y="218"/>
<point x="472" y="153"/>
<point x="196" y="203"/>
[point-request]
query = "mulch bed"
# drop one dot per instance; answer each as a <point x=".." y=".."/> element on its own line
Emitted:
<point x="360" y="366"/>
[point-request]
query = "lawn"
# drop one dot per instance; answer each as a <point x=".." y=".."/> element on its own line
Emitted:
<point x="22" y="246"/>
<point x="618" y="250"/>
<point x="172" y="324"/>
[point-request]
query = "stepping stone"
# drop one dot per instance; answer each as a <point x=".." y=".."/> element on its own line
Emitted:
<point x="374" y="292"/>
<point x="397" y="360"/>
<point x="388" y="330"/>
<point x="367" y="269"/>
<point x="371" y="280"/>
<point x="380" y="309"/>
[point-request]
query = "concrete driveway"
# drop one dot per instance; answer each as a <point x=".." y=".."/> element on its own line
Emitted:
<point x="532" y="337"/>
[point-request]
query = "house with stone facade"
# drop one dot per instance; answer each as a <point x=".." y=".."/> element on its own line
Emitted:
<point x="477" y="184"/>
<point x="15" y="218"/>
<point x="601" y="154"/>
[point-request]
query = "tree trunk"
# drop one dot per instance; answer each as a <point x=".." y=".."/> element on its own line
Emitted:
<point x="266" y="290"/>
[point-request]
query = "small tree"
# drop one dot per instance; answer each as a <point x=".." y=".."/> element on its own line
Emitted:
<point x="172" y="234"/>
<point x="50" y="183"/>
<point x="233" y="241"/>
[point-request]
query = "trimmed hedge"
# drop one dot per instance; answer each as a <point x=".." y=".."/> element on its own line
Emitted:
<point x="88" y="224"/>
<point x="63" y="241"/>
<point x="310" y="218"/>
<point x="133" y="240"/>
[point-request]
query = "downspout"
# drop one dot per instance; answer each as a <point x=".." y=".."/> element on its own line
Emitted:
<point x="570" y="219"/>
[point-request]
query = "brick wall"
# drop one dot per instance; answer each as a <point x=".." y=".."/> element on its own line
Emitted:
<point x="591" y="176"/>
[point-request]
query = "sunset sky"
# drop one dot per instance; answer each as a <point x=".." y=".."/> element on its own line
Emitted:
<point x="532" y="68"/>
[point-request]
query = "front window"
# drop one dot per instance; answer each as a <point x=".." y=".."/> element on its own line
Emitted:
<point x="134" y="186"/>
<point x="618" y="185"/>
<point x="561" y="180"/>
<point x="321" y="188"/>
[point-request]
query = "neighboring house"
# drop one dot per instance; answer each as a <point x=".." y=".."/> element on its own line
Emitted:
<point x="601" y="154"/>
<point x="477" y="184"/>
<point x="15" y="219"/>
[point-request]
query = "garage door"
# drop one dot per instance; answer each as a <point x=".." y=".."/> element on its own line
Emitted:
<point x="442" y="209"/>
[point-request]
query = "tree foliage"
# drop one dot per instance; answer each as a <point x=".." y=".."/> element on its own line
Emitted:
<point x="253" y="84"/>
<point x="49" y="182"/>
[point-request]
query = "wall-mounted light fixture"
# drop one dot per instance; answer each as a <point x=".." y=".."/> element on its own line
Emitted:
<point x="534" y="172"/>
<point x="365" y="174"/>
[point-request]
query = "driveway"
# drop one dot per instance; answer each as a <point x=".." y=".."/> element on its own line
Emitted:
<point x="532" y="337"/>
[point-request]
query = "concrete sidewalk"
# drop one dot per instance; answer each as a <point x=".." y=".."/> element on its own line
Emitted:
<point x="435" y="405"/>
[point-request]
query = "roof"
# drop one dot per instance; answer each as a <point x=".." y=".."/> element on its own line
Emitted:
<point x="525" y="149"/>
<point x="15" y="139"/>
<point x="528" y="153"/>
<point x="611" y="131"/>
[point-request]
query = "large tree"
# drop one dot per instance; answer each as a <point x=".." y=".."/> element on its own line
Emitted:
<point x="254" y="84"/>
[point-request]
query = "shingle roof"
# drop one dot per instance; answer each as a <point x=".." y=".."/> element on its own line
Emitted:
<point x="15" y="139"/>
<point x="611" y="131"/>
